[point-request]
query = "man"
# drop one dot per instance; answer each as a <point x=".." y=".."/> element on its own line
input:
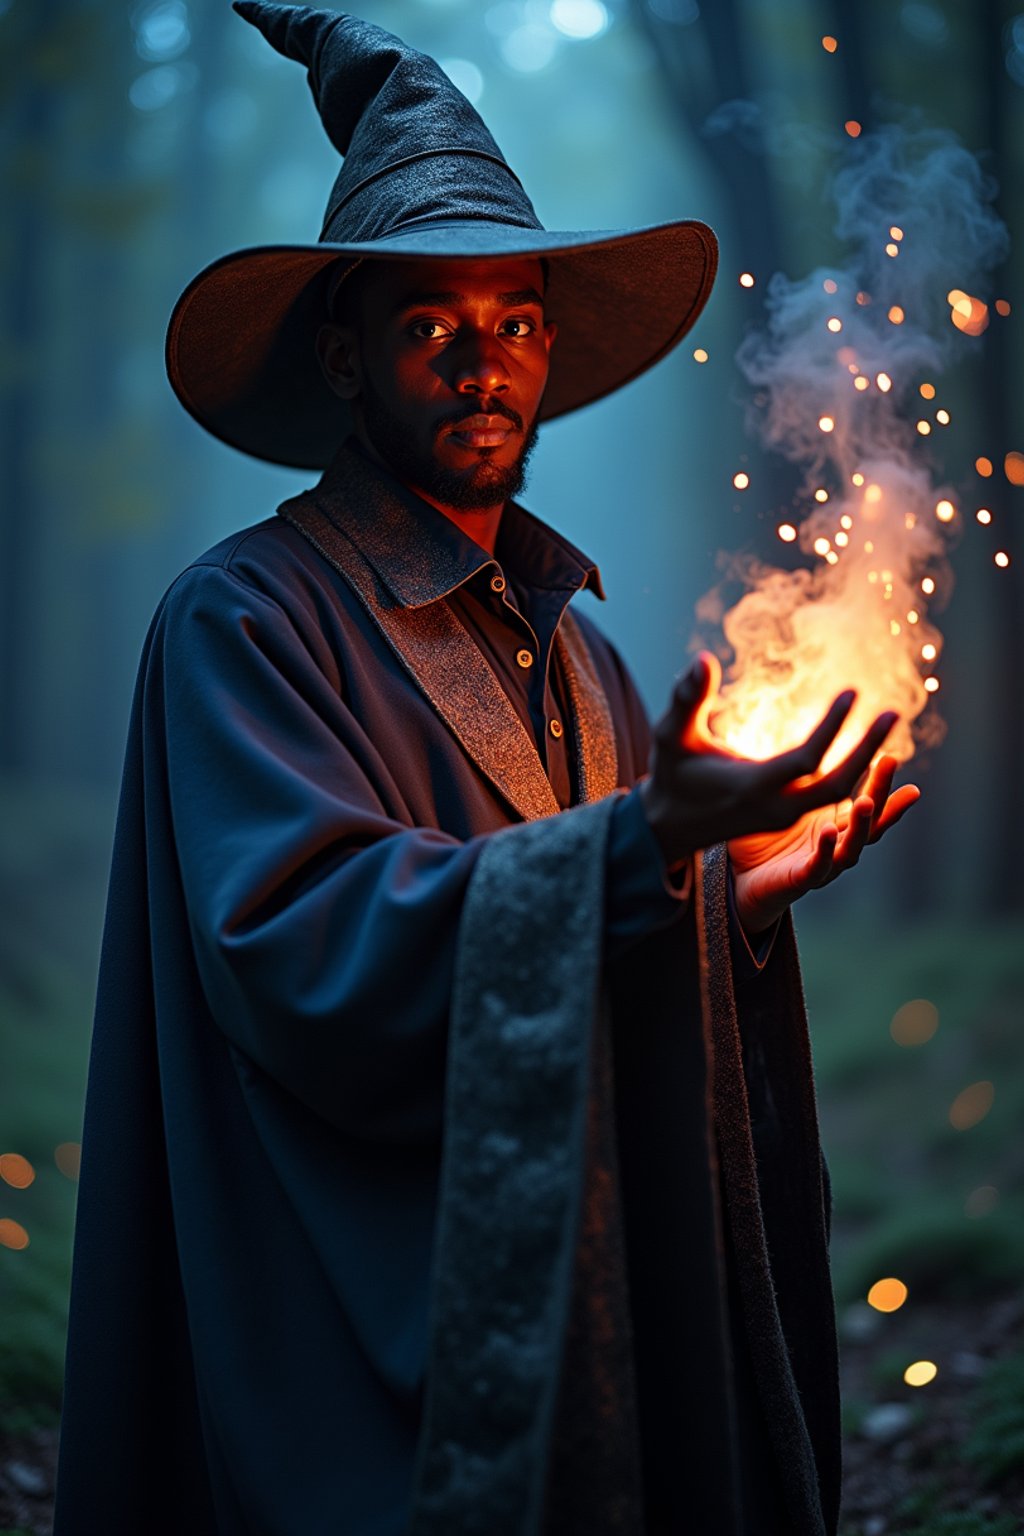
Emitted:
<point x="450" y="1160"/>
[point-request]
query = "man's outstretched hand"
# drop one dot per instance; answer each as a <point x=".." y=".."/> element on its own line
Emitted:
<point x="788" y="829"/>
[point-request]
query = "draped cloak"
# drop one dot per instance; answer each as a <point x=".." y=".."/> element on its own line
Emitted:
<point x="404" y="1207"/>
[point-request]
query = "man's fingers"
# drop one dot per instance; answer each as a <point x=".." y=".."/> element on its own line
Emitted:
<point x="896" y="806"/>
<point x="804" y="759"/>
<point x="856" y="833"/>
<point x="690" y="693"/>
<point x="838" y="784"/>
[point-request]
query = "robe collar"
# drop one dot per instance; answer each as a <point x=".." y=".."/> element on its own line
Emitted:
<point x="420" y="555"/>
<point x="402" y="557"/>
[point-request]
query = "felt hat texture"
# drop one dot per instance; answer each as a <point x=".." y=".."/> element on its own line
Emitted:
<point x="422" y="177"/>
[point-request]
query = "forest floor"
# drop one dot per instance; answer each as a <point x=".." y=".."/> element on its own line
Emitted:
<point x="946" y="1459"/>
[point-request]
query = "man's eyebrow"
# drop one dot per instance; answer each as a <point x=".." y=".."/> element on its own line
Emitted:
<point x="424" y="300"/>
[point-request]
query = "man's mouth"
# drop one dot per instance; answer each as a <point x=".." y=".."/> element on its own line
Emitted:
<point x="482" y="431"/>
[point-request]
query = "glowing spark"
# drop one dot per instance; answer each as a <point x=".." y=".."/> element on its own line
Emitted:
<point x="853" y="128"/>
<point x="909" y="520"/>
<point x="12" y="1234"/>
<point x="981" y="1201"/>
<point x="928" y="391"/>
<point x="1001" y="558"/>
<point x="887" y="1295"/>
<point x="894" y="626"/>
<point x="892" y="249"/>
<point x="931" y="684"/>
<point x="68" y="1157"/>
<point x="841" y="539"/>
<point x="983" y="515"/>
<point x="897" y="315"/>
<point x="846" y="521"/>
<point x="829" y="44"/>
<point x="821" y="546"/>
<point x="826" y="424"/>
<point x="1013" y="467"/>
<point x="832" y="557"/>
<point x="1002" y="306"/>
<point x="942" y="417"/>
<point x="16" y="1170"/>
<point x="830" y="285"/>
<point x="835" y="324"/>
<point x="924" y="427"/>
<point x="929" y="651"/>
<point x="912" y="616"/>
<point x="869" y="549"/>
<point x="984" y="467"/>
<point x="861" y="381"/>
<point x="914" y="1023"/>
<point x="863" y="298"/>
<point x="873" y="494"/>
<point x="741" y="481"/>
<point x="821" y="494"/>
<point x="786" y="532"/>
<point x="884" y="382"/>
<point x="967" y="314"/>
<point x="920" y="1373"/>
<point x="856" y="479"/>
<point x="945" y="511"/>
<point x="746" y="279"/>
<point x="971" y="1106"/>
<point x="896" y="232"/>
<point x="699" y="355"/>
<point x="928" y="585"/>
<point x="955" y="296"/>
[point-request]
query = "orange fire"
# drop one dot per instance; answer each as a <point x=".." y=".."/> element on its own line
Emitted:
<point x="855" y="619"/>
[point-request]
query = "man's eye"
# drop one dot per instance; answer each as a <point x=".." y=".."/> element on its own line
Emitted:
<point x="421" y="327"/>
<point x="526" y="327"/>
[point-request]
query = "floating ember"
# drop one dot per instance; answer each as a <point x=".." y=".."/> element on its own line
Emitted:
<point x="877" y="533"/>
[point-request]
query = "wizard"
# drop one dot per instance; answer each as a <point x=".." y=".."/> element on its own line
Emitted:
<point x="450" y="1163"/>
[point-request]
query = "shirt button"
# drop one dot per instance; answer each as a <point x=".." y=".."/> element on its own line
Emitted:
<point x="555" y="727"/>
<point x="524" y="658"/>
<point x="497" y="583"/>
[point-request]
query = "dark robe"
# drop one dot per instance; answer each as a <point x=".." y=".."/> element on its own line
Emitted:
<point x="409" y="1203"/>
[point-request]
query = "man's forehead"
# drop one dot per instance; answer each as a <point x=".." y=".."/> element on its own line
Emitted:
<point x="517" y="280"/>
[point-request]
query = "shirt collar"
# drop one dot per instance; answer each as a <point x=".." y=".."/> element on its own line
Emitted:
<point x="421" y="555"/>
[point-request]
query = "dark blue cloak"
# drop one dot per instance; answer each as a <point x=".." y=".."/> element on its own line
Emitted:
<point x="336" y="1160"/>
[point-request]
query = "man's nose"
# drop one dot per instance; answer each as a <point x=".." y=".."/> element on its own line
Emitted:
<point x="480" y="367"/>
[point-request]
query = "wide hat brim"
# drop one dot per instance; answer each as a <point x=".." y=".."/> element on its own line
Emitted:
<point x="240" y="344"/>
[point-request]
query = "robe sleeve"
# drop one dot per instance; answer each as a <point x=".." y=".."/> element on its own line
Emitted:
<point x="324" y="930"/>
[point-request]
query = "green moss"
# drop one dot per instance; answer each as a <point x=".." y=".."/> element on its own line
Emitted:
<point x="995" y="1446"/>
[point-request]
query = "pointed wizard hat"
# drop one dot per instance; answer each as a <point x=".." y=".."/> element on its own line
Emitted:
<point x="422" y="178"/>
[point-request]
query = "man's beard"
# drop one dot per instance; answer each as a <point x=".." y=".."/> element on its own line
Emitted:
<point x="478" y="489"/>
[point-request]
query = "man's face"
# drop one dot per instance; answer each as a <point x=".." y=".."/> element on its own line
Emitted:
<point x="450" y="361"/>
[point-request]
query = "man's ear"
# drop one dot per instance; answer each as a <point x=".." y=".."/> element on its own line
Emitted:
<point x="550" y="332"/>
<point x="337" y="347"/>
